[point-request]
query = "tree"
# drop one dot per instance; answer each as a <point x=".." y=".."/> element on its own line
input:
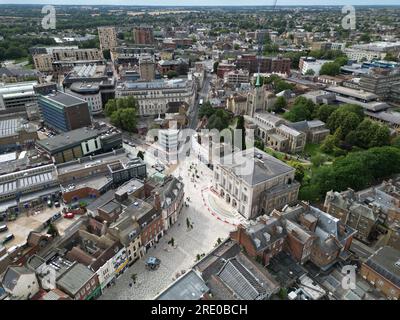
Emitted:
<point x="323" y="112"/>
<point x="172" y="74"/>
<point x="279" y="104"/>
<point x="215" y="66"/>
<point x="329" y="144"/>
<point x="125" y="119"/>
<point x="107" y="54"/>
<point x="140" y="155"/>
<point x="110" y="107"/>
<point x="219" y="120"/>
<point x="318" y="159"/>
<point x="341" y="61"/>
<point x="347" y="117"/>
<point x="365" y="37"/>
<point x="206" y="110"/>
<point x="302" y="109"/>
<point x="310" y="72"/>
<point x="52" y="230"/>
<point x="122" y="113"/>
<point x="259" y="144"/>
<point x="299" y="173"/>
<point x="330" y="69"/>
<point x="357" y="170"/>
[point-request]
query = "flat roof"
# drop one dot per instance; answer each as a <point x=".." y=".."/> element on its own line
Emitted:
<point x="188" y="287"/>
<point x="65" y="99"/>
<point x="353" y="93"/>
<point x="68" y="139"/>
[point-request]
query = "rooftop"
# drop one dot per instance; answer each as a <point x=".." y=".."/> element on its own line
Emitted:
<point x="190" y="286"/>
<point x="254" y="166"/>
<point x="386" y="261"/>
<point x="64" y="99"/>
<point x="68" y="139"/>
<point x="75" y="278"/>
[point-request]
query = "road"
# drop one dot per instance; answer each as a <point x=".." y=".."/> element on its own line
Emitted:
<point x="193" y="113"/>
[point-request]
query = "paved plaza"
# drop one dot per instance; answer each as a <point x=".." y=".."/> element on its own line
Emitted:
<point x="201" y="239"/>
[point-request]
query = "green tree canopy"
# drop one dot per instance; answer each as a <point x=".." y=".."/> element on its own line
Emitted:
<point x="330" y="69"/>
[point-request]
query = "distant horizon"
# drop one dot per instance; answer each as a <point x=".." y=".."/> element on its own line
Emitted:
<point x="202" y="3"/>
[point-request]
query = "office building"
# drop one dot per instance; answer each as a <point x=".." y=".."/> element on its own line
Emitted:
<point x="64" y="112"/>
<point x="15" y="97"/>
<point x="152" y="97"/>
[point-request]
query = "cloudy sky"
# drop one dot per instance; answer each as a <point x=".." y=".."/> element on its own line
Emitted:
<point x="204" y="2"/>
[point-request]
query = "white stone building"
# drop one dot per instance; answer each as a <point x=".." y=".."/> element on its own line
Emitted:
<point x="255" y="183"/>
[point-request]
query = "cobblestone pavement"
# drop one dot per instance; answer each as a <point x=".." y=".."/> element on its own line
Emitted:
<point x="189" y="243"/>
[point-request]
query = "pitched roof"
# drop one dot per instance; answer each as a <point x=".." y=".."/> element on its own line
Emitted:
<point x="12" y="275"/>
<point x="254" y="166"/>
<point x="75" y="278"/>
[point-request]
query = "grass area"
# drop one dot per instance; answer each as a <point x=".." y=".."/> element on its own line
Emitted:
<point x="22" y="59"/>
<point x="313" y="149"/>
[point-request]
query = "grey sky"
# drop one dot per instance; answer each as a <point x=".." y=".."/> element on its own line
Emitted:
<point x="203" y="2"/>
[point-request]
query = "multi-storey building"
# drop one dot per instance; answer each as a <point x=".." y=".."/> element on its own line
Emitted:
<point x="107" y="38"/>
<point x="310" y="63"/>
<point x="55" y="57"/>
<point x="14" y="98"/>
<point x="253" y="182"/>
<point x="367" y="210"/>
<point x="254" y="64"/>
<point x="303" y="231"/>
<point x="382" y="270"/>
<point x="20" y="191"/>
<point x="147" y="68"/>
<point x="143" y="35"/>
<point x="16" y="133"/>
<point x="64" y="112"/>
<point x="380" y="82"/>
<point x="371" y="51"/>
<point x="152" y="97"/>
<point x="236" y="77"/>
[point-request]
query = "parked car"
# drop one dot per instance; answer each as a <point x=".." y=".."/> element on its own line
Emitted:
<point x="56" y="216"/>
<point x="69" y="215"/>
<point x="8" y="238"/>
<point x="3" y="228"/>
<point x="49" y="203"/>
<point x="57" y="204"/>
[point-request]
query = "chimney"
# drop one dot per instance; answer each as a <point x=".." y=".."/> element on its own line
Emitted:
<point x="157" y="201"/>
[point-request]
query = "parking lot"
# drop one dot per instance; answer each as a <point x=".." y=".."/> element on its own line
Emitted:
<point x="24" y="224"/>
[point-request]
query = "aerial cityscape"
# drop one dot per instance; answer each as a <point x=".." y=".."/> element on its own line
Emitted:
<point x="199" y="151"/>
